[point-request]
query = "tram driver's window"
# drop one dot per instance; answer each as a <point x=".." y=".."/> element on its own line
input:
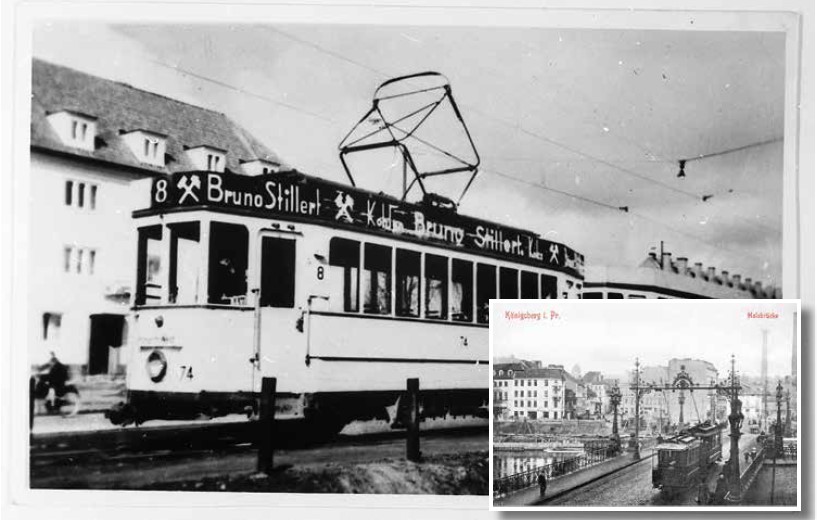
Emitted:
<point x="508" y="283"/>
<point x="408" y="283"/>
<point x="185" y="263"/>
<point x="229" y="251"/>
<point x="149" y="266"/>
<point x="436" y="287"/>
<point x="376" y="279"/>
<point x="344" y="271"/>
<point x="486" y="290"/>
<point x="462" y="290"/>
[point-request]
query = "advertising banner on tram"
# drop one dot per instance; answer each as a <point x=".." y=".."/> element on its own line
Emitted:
<point x="294" y="195"/>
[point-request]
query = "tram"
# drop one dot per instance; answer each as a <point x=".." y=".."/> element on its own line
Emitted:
<point x="683" y="458"/>
<point x="339" y="293"/>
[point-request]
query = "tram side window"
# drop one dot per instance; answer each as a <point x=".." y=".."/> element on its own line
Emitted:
<point x="462" y="290"/>
<point x="508" y="283"/>
<point x="185" y="263"/>
<point x="529" y="285"/>
<point x="344" y="265"/>
<point x="149" y="266"/>
<point x="436" y="287"/>
<point x="377" y="279"/>
<point x="486" y="290"/>
<point x="548" y="287"/>
<point x="408" y="283"/>
<point x="592" y="296"/>
<point x="615" y="296"/>
<point x="229" y="251"/>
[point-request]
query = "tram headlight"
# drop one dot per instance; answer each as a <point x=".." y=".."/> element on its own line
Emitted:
<point x="156" y="366"/>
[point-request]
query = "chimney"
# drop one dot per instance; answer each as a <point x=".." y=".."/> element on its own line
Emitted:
<point x="666" y="261"/>
<point x="681" y="264"/>
<point x="736" y="281"/>
<point x="710" y="274"/>
<point x="699" y="270"/>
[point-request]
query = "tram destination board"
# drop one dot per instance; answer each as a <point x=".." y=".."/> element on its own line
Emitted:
<point x="292" y="195"/>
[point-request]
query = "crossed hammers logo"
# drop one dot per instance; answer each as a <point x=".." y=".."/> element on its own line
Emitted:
<point x="188" y="184"/>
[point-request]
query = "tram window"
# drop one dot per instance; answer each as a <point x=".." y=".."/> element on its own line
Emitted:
<point x="436" y="287"/>
<point x="344" y="265"/>
<point x="486" y="290"/>
<point x="508" y="283"/>
<point x="462" y="290"/>
<point x="185" y="263"/>
<point x="548" y="287"/>
<point x="277" y="272"/>
<point x="229" y="251"/>
<point x="149" y="265"/>
<point x="377" y="279"/>
<point x="615" y="296"/>
<point x="636" y="297"/>
<point x="592" y="296"/>
<point x="529" y="285"/>
<point x="408" y="283"/>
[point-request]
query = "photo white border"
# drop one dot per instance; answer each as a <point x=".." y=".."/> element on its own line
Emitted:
<point x="743" y="304"/>
<point x="752" y="15"/>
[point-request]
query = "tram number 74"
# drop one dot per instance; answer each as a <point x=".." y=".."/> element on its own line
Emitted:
<point x="185" y="372"/>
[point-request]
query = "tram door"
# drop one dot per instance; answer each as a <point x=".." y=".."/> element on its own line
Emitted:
<point x="277" y="314"/>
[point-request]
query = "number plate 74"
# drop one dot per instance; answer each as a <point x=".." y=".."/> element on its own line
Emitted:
<point x="185" y="372"/>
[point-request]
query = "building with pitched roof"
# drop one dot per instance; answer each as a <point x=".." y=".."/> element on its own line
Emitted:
<point x="92" y="140"/>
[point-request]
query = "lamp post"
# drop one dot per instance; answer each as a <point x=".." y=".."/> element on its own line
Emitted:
<point x="615" y="400"/>
<point x="732" y="390"/>
<point x="778" y="438"/>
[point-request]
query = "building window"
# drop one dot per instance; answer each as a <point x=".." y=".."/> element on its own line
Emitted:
<point x="79" y="260"/>
<point x="486" y="290"/>
<point x="462" y="290"/>
<point x="93" y="196"/>
<point x="408" y="283"/>
<point x="377" y="279"/>
<point x="69" y="192"/>
<point x="344" y="273"/>
<point x="508" y="283"/>
<point x="436" y="286"/>
<point x="52" y="322"/>
<point x="68" y="253"/>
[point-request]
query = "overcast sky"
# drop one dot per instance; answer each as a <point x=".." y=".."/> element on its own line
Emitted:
<point x="600" y="114"/>
<point x="608" y="336"/>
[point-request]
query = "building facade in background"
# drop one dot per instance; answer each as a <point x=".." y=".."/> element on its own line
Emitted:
<point x="92" y="140"/>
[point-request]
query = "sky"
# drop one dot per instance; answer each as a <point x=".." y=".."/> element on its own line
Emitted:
<point x="609" y="335"/>
<point x="570" y="124"/>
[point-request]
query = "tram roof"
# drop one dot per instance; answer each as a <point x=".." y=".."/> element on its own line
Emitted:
<point x="292" y="195"/>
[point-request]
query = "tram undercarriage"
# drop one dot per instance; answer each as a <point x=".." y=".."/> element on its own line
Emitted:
<point x="324" y="412"/>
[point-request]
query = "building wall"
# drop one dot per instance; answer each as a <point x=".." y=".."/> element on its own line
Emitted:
<point x="106" y="229"/>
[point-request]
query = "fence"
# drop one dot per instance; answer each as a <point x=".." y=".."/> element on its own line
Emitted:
<point x="505" y="485"/>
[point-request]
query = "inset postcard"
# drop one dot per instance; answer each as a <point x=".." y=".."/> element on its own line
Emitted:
<point x="687" y="404"/>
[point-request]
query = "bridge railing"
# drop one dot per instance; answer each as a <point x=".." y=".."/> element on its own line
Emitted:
<point x="506" y="485"/>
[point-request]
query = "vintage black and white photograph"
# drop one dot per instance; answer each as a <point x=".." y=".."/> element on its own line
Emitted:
<point x="259" y="254"/>
<point x="645" y="404"/>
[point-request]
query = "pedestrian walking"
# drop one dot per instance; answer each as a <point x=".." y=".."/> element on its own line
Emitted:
<point x="543" y="483"/>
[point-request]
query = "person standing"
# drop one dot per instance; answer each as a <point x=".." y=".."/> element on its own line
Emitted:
<point x="543" y="483"/>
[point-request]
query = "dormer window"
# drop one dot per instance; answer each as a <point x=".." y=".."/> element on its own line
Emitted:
<point x="207" y="158"/>
<point x="74" y="129"/>
<point x="260" y="167"/>
<point x="149" y="147"/>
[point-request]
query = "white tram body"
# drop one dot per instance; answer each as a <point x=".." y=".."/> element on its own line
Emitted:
<point x="340" y="294"/>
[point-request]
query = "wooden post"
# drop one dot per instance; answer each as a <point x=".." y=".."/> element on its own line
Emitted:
<point x="266" y="425"/>
<point x="413" y="435"/>
<point x="31" y="387"/>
